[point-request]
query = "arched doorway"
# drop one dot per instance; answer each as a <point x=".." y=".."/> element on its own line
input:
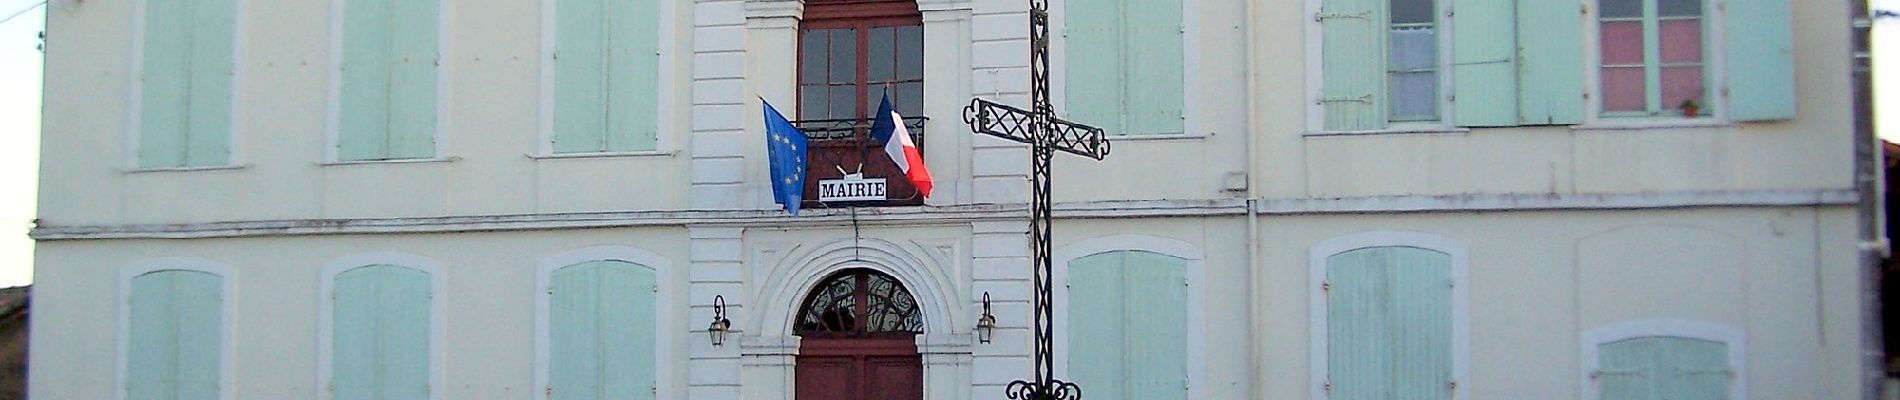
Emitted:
<point x="858" y="330"/>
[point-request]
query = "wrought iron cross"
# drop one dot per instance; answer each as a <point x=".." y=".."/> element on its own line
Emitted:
<point x="1045" y="134"/>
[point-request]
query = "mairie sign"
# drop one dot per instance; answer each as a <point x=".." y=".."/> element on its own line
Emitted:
<point x="853" y="187"/>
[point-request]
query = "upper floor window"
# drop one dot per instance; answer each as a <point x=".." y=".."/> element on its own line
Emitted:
<point x="851" y="53"/>
<point x="1124" y="65"/>
<point x="1381" y="63"/>
<point x="185" y="83"/>
<point x="387" y="80"/>
<point x="605" y="64"/>
<point x="1653" y="58"/>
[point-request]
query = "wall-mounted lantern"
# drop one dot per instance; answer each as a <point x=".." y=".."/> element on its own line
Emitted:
<point x="986" y="324"/>
<point x="720" y="325"/>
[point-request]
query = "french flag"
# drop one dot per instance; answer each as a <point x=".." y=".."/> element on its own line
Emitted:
<point x="896" y="138"/>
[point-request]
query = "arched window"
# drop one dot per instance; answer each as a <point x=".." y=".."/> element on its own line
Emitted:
<point x="859" y="302"/>
<point x="851" y="53"/>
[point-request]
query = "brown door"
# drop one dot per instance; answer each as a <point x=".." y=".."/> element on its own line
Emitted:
<point x="858" y="331"/>
<point x="860" y="369"/>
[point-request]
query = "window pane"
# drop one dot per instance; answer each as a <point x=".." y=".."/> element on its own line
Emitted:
<point x="812" y="59"/>
<point x="1679" y="8"/>
<point x="1413" y="49"/>
<point x="1414" y="96"/>
<point x="1680" y="84"/>
<point x="1623" y="89"/>
<point x="1411" y="11"/>
<point x="1622" y="8"/>
<point x="1682" y="41"/>
<point x="844" y="54"/>
<point x="1622" y="43"/>
<point x="880" y="55"/>
<point x="811" y="102"/>
<point x="908" y="98"/>
<point x="910" y="52"/>
<point x="844" y="103"/>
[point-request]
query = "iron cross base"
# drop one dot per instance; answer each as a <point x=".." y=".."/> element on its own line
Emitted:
<point x="1057" y="390"/>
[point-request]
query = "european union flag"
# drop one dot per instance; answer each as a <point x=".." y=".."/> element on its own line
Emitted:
<point x="785" y="145"/>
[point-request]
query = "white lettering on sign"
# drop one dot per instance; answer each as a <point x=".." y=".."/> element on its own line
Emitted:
<point x="851" y="189"/>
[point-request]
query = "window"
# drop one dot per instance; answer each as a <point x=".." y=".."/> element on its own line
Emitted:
<point x="185" y="83"/>
<point x="1662" y="367"/>
<point x="1389" y="324"/>
<point x="1412" y="55"/>
<point x="1652" y="60"/>
<point x="174" y="324"/>
<point x="601" y="331"/>
<point x="851" y="53"/>
<point x="388" y="77"/>
<point x="605" y="62"/>
<point x="1658" y="359"/>
<point x="1124" y="65"/>
<point x="380" y="333"/>
<point x="1128" y="325"/>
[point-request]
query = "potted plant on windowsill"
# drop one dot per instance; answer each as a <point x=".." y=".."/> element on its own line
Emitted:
<point x="1690" y="109"/>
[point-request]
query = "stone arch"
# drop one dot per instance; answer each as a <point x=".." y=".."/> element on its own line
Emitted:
<point x="786" y="287"/>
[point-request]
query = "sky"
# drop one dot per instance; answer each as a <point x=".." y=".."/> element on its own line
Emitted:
<point x="20" y="72"/>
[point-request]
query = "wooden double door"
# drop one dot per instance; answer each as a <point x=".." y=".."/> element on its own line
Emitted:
<point x="860" y="368"/>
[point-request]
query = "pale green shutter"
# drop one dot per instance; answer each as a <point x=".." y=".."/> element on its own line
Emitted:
<point x="633" y="122"/>
<point x="364" y="123"/>
<point x="176" y="321"/>
<point x="1094" y="58"/>
<point x="1760" y="60"/>
<point x="606" y="76"/>
<point x="412" y="79"/>
<point x="1389" y="324"/>
<point x="213" y="43"/>
<point x="1700" y="369"/>
<point x="1484" y="62"/>
<point x="1626" y="370"/>
<point x="380" y="334"/>
<point x="1154" y="296"/>
<point x="389" y="80"/>
<point x="185" y="100"/>
<point x="580" y="76"/>
<point x="1550" y="63"/>
<point x="1096" y="337"/>
<point x="1352" y="91"/>
<point x="1128" y="325"/>
<point x="1153" y="67"/>
<point x="601" y="332"/>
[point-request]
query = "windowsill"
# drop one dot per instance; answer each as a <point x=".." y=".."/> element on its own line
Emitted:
<point x="232" y="167"/>
<point x="396" y="161"/>
<point x="606" y="154"/>
<point x="1635" y="124"/>
<point x="1156" y="137"/>
<point x="1399" y="130"/>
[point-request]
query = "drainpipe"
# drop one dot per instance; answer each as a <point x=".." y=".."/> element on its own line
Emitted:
<point x="1869" y="182"/>
<point x="1256" y="359"/>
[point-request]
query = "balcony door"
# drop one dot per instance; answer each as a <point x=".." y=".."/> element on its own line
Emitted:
<point x="850" y="54"/>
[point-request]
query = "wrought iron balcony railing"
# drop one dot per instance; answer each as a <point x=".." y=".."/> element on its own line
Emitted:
<point x="844" y="146"/>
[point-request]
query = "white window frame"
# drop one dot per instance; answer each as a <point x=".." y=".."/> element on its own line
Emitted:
<point x="326" y="312"/>
<point x="135" y="85"/>
<point x="665" y="325"/>
<point x="226" y="292"/>
<point x="1715" y="72"/>
<point x="1191" y="120"/>
<point x="1196" y="272"/>
<point x="1733" y="338"/>
<point x="666" y="99"/>
<point x="333" y="109"/>
<point x="1460" y="298"/>
<point x="1316" y="73"/>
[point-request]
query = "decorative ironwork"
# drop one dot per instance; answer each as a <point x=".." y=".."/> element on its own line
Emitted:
<point x="859" y="302"/>
<point x="843" y="146"/>
<point x="1045" y="134"/>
